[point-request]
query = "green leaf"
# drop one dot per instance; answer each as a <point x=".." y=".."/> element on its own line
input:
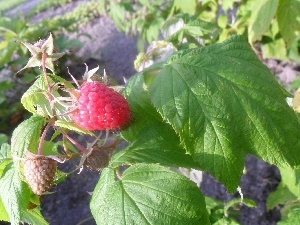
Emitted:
<point x="224" y="103"/>
<point x="117" y="14"/>
<point x="3" y="166"/>
<point x="226" y="221"/>
<point x="172" y="26"/>
<point x="287" y="190"/>
<point x="3" y="214"/>
<point x="223" y="21"/>
<point x="185" y="6"/>
<point x="274" y="50"/>
<point x="6" y="53"/>
<point x="63" y="43"/>
<point x="156" y="143"/>
<point x="201" y="28"/>
<point x="2" y="98"/>
<point x="34" y="217"/>
<point x="229" y="4"/>
<point x="262" y="14"/>
<point x="197" y="31"/>
<point x="141" y="107"/>
<point x="293" y="51"/>
<point x="35" y="98"/>
<point x="72" y="126"/>
<point x="288" y="19"/>
<point x="236" y="203"/>
<point x="3" y="139"/>
<point x="15" y="194"/>
<point x="26" y="136"/>
<point x="36" y="101"/>
<point x="6" y="85"/>
<point x="147" y="194"/>
<point x="293" y="217"/>
<point x="5" y="152"/>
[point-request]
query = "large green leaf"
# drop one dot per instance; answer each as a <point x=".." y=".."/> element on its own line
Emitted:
<point x="288" y="16"/>
<point x="156" y="143"/>
<point x="147" y="194"/>
<point x="26" y="136"/>
<point x="262" y="14"/>
<point x="224" y="103"/>
<point x="15" y="194"/>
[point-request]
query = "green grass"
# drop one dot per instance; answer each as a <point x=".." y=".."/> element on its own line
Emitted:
<point x="46" y="5"/>
<point x="6" y="5"/>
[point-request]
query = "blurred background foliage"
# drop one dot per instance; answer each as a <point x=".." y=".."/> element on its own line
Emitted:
<point x="271" y="26"/>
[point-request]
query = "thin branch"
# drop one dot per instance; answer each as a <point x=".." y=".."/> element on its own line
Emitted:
<point x="40" y="148"/>
<point x="79" y="146"/>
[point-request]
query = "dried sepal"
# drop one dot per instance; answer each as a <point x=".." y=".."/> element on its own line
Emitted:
<point x="40" y="48"/>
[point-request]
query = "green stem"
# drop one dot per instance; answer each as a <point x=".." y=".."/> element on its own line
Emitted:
<point x="50" y="97"/>
<point x="44" y="57"/>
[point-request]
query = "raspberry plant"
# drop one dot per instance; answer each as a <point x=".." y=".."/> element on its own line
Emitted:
<point x="204" y="108"/>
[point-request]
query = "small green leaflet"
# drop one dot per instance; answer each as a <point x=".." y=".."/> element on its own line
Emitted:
<point x="72" y="126"/>
<point x="14" y="193"/>
<point x="36" y="96"/>
<point x="147" y="194"/>
<point x="4" y="152"/>
<point x="3" y="138"/>
<point x="5" y="155"/>
<point x="224" y="103"/>
<point x="26" y="136"/>
<point x="287" y="190"/>
<point x="288" y="19"/>
<point x="292" y="218"/>
<point x="262" y="14"/>
<point x="3" y="214"/>
<point x="195" y="30"/>
<point x="34" y="217"/>
<point x="36" y="101"/>
<point x="156" y="143"/>
<point x="185" y="6"/>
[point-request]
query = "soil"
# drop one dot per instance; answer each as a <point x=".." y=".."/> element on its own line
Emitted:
<point x="115" y="51"/>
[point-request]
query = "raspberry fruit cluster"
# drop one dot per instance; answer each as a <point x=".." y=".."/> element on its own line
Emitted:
<point x="39" y="173"/>
<point x="100" y="108"/>
<point x="97" y="160"/>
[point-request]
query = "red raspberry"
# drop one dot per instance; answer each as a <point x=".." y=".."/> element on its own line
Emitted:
<point x="100" y="108"/>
